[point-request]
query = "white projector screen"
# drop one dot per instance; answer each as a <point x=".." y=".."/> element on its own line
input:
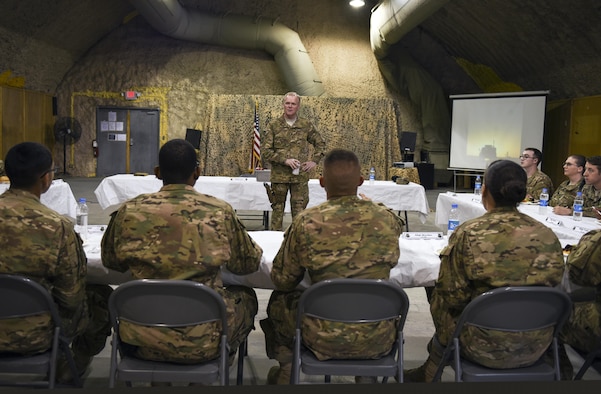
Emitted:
<point x="490" y="127"/>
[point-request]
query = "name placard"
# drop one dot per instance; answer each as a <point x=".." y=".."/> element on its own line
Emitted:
<point x="553" y="221"/>
<point x="423" y="235"/>
<point x="582" y="230"/>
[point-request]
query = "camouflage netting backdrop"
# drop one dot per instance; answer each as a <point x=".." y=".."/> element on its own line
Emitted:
<point x="368" y="127"/>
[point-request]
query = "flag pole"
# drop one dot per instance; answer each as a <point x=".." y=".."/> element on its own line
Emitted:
<point x="255" y="152"/>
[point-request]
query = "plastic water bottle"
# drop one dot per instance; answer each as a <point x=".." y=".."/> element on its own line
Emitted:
<point x="478" y="186"/>
<point x="543" y="201"/>
<point x="578" y="201"/>
<point x="453" y="219"/>
<point x="372" y="176"/>
<point x="81" y="218"/>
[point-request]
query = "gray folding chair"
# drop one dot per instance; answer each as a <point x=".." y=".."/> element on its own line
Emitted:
<point x="351" y="301"/>
<point x="166" y="303"/>
<point x="511" y="309"/>
<point x="22" y="297"/>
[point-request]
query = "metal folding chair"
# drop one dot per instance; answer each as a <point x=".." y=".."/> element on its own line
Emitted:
<point x="166" y="303"/>
<point x="351" y="301"/>
<point x="24" y="297"/>
<point x="511" y="309"/>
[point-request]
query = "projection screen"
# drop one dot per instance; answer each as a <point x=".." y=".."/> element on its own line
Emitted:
<point x="487" y="127"/>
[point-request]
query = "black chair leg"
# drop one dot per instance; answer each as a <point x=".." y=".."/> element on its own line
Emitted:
<point x="242" y="352"/>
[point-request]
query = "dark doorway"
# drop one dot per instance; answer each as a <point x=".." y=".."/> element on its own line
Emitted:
<point x="128" y="140"/>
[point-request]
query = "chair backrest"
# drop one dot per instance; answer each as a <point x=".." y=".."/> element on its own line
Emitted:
<point x="23" y="297"/>
<point x="518" y="308"/>
<point x="354" y="300"/>
<point x="167" y="303"/>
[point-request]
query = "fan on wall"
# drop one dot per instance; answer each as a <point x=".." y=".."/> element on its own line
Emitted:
<point x="66" y="131"/>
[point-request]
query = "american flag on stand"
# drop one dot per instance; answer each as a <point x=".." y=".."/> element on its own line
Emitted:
<point x="255" y="153"/>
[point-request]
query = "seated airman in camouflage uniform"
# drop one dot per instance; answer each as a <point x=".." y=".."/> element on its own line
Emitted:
<point x="344" y="237"/>
<point x="591" y="192"/>
<point x="501" y="248"/>
<point x="583" y="329"/>
<point x="562" y="199"/>
<point x="41" y="244"/>
<point x="179" y="233"/>
<point x="537" y="180"/>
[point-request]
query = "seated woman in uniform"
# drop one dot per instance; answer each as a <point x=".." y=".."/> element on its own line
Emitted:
<point x="501" y="248"/>
<point x="563" y="198"/>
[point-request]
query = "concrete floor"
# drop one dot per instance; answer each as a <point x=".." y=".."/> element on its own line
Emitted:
<point x="418" y="328"/>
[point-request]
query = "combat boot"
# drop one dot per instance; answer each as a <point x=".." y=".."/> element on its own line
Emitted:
<point x="280" y="375"/>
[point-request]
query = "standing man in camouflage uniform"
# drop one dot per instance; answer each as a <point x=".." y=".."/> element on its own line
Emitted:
<point x="285" y="145"/>
<point x="501" y="248"/>
<point x="344" y="237"/>
<point x="537" y="180"/>
<point x="178" y="233"/>
<point x="41" y="244"/>
<point x="583" y="330"/>
<point x="591" y="192"/>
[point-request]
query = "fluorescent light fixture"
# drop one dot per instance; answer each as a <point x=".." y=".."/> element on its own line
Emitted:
<point x="356" y="3"/>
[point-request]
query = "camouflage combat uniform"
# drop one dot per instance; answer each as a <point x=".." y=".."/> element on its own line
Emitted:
<point x="345" y="237"/>
<point x="2" y="173"/>
<point x="280" y="142"/>
<point x="178" y="233"/>
<point x="39" y="243"/>
<point x="501" y="248"/>
<point x="536" y="183"/>
<point x="592" y="198"/>
<point x="583" y="329"/>
<point x="565" y="194"/>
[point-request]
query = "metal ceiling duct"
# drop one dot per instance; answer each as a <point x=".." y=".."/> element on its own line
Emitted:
<point x="392" y="19"/>
<point x="237" y="31"/>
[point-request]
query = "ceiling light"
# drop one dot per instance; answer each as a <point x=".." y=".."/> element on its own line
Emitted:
<point x="357" y="3"/>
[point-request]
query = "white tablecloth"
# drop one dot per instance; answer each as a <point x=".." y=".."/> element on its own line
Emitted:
<point x="59" y="197"/>
<point x="247" y="194"/>
<point x="470" y="206"/>
<point x="418" y="264"/>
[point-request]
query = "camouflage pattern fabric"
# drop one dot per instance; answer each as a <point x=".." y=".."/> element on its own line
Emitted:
<point x="583" y="329"/>
<point x="280" y="142"/>
<point x="536" y="183"/>
<point x="178" y="233"/>
<point x="39" y="243"/>
<point x="299" y="198"/>
<point x="2" y="172"/>
<point x="565" y="194"/>
<point x="501" y="248"/>
<point x="345" y="237"/>
<point x="592" y="198"/>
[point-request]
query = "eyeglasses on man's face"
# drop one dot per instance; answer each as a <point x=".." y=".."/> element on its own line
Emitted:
<point x="526" y="157"/>
<point x="566" y="164"/>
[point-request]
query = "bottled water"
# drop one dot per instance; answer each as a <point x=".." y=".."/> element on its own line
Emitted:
<point x="81" y="218"/>
<point x="543" y="201"/>
<point x="478" y="186"/>
<point x="578" y="201"/>
<point x="372" y="176"/>
<point x="453" y="219"/>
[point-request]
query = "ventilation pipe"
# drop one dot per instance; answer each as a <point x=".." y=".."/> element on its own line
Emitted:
<point x="390" y="21"/>
<point x="237" y="31"/>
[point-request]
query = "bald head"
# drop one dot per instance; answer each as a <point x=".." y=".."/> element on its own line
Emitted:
<point x="341" y="174"/>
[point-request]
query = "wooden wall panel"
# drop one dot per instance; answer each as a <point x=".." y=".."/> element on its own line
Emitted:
<point x="25" y="116"/>
<point x="585" y="137"/>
